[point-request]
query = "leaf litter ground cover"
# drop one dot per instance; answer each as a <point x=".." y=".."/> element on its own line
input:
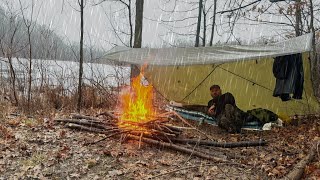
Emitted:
<point x="40" y="149"/>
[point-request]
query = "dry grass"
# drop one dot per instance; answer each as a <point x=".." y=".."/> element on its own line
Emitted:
<point x="49" y="100"/>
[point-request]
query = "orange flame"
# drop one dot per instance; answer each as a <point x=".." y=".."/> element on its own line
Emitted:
<point x="136" y="104"/>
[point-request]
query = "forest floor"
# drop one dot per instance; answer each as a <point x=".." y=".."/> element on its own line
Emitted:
<point x="37" y="148"/>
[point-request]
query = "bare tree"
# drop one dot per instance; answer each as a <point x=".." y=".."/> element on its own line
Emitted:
<point x="138" y="24"/>
<point x="199" y="23"/>
<point x="121" y="33"/>
<point x="194" y="21"/>
<point x="300" y="17"/>
<point x="81" y="4"/>
<point x="9" y="45"/>
<point x="137" y="33"/>
<point x="213" y="21"/>
<point x="28" y="24"/>
<point x="315" y="65"/>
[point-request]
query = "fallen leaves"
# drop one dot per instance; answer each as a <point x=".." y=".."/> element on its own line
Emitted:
<point x="5" y="133"/>
<point x="49" y="152"/>
<point x="115" y="173"/>
<point x="63" y="153"/>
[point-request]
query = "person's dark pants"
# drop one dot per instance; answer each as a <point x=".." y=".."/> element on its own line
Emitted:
<point x="231" y="119"/>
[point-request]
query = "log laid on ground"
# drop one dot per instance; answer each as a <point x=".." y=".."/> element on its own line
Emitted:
<point x="85" y="128"/>
<point x="109" y="114"/>
<point x="79" y="116"/>
<point x="220" y="144"/>
<point x="83" y="122"/>
<point x="176" y="147"/>
<point x="298" y="169"/>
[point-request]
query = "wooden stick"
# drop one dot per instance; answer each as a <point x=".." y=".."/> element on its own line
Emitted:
<point x="186" y="122"/>
<point x="140" y="140"/>
<point x="221" y="144"/>
<point x="109" y="114"/>
<point x="108" y="136"/>
<point x="79" y="116"/>
<point x="89" y="129"/>
<point x="84" y="128"/>
<point x="174" y="128"/>
<point x="157" y="132"/>
<point x="167" y="130"/>
<point x="82" y="122"/>
<point x="176" y="147"/>
<point x="298" y="169"/>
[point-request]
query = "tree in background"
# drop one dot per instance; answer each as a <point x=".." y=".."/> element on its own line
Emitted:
<point x="187" y="23"/>
<point x="137" y="33"/>
<point x="81" y="4"/>
<point x="199" y="23"/>
<point x="9" y="44"/>
<point x="298" y="19"/>
<point x="30" y="26"/>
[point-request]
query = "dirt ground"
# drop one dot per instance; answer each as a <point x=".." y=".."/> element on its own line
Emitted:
<point x="36" y="148"/>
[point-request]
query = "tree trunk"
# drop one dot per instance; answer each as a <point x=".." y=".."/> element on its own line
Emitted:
<point x="81" y="60"/>
<point x="204" y="26"/>
<point x="298" y="24"/>
<point x="137" y="33"/>
<point x="13" y="81"/>
<point x="30" y="68"/>
<point x="130" y="23"/>
<point x="12" y="72"/>
<point x="198" y="24"/>
<point x="213" y="21"/>
<point x="315" y="75"/>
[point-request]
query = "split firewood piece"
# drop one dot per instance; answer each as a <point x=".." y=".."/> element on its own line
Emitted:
<point x="79" y="116"/>
<point x="299" y="168"/>
<point x="221" y="144"/>
<point x="83" y="122"/>
<point x="176" y="147"/>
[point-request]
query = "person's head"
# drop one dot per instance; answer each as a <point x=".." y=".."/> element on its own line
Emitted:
<point x="215" y="91"/>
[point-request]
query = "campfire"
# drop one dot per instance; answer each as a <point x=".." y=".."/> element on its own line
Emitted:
<point x="136" y="105"/>
<point x="137" y="119"/>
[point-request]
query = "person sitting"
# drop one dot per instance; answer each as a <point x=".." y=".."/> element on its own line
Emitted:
<point x="223" y="108"/>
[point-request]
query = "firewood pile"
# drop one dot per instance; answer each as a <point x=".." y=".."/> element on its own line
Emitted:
<point x="156" y="132"/>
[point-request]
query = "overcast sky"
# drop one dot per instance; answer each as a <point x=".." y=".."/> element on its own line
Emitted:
<point x="61" y="16"/>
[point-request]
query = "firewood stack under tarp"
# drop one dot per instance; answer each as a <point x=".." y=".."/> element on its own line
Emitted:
<point x="156" y="131"/>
